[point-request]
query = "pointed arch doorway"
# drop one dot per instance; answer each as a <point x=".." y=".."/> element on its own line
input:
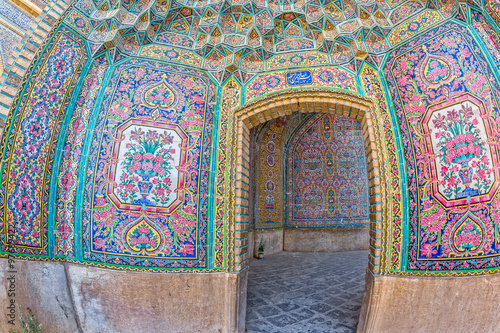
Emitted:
<point x="309" y="185"/>
<point x="308" y="101"/>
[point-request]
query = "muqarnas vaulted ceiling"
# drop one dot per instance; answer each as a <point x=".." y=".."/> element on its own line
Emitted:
<point x="245" y="37"/>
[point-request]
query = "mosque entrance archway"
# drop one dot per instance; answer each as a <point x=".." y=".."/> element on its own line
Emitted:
<point x="312" y="101"/>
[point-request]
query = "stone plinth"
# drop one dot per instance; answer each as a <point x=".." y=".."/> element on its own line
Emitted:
<point x="402" y="304"/>
<point x="71" y="298"/>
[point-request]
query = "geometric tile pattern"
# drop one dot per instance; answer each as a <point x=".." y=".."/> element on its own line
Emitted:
<point x="306" y="292"/>
<point x="242" y="36"/>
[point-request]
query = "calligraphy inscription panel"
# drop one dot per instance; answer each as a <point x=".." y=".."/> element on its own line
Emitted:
<point x="298" y="78"/>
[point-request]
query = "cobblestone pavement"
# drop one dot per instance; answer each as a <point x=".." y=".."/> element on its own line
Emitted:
<point x="291" y="292"/>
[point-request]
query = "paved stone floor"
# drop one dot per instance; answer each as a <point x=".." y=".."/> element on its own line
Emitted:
<point x="291" y="292"/>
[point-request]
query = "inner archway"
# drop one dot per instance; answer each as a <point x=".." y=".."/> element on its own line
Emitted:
<point x="308" y="209"/>
<point x="313" y="101"/>
<point x="309" y="184"/>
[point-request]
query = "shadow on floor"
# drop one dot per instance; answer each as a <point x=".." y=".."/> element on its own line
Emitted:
<point x="305" y="292"/>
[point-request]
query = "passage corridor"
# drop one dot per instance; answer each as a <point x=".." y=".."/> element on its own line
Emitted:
<point x="304" y="292"/>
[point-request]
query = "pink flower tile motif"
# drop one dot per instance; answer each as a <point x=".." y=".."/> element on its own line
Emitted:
<point x="148" y="201"/>
<point x="149" y="169"/>
<point x="447" y="109"/>
<point x="28" y="165"/>
<point x="464" y="163"/>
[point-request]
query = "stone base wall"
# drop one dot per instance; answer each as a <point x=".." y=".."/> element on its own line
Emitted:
<point x="310" y="239"/>
<point x="273" y="239"/>
<point x="73" y="298"/>
<point x="326" y="239"/>
<point x="403" y="304"/>
<point x="251" y="243"/>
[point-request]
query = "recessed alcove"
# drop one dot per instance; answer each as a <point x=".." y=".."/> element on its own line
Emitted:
<point x="309" y="185"/>
<point x="308" y="194"/>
